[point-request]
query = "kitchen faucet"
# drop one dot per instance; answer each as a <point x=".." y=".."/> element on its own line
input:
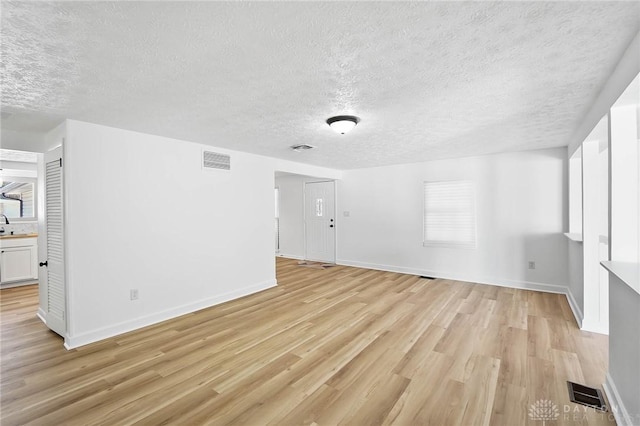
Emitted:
<point x="6" y="220"/>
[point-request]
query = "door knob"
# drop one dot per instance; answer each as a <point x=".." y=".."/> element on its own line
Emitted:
<point x="45" y="263"/>
<point x="331" y="226"/>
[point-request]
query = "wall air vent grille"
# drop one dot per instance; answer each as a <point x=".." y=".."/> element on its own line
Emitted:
<point x="301" y="147"/>
<point x="213" y="160"/>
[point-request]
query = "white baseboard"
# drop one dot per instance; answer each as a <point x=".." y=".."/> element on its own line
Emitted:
<point x="71" y="342"/>
<point x="42" y="315"/>
<point x="615" y="403"/>
<point x="290" y="256"/>
<point x="523" y="285"/>
<point x="594" y="327"/>
<point x="573" y="304"/>
<point x="583" y="323"/>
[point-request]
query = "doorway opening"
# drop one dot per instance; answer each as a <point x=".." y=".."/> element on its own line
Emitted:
<point x="305" y="217"/>
<point x="19" y="204"/>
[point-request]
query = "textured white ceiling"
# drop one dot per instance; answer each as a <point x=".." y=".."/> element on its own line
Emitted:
<point x="428" y="79"/>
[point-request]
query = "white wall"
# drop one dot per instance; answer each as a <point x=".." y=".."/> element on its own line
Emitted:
<point x="521" y="213"/>
<point x="18" y="168"/>
<point x="23" y="141"/>
<point x="575" y="192"/>
<point x="625" y="183"/>
<point x="576" y="278"/>
<point x="291" y="215"/>
<point x="121" y="235"/>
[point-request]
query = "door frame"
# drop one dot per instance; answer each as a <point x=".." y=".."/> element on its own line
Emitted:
<point x="277" y="202"/>
<point x="335" y="217"/>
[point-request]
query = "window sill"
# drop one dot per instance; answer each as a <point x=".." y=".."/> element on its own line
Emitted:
<point x="627" y="272"/>
<point x="574" y="236"/>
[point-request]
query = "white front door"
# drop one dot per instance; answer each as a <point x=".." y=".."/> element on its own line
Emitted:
<point x="320" y="237"/>
<point x="53" y="279"/>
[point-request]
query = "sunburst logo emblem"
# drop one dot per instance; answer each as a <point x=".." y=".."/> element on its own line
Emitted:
<point x="544" y="410"/>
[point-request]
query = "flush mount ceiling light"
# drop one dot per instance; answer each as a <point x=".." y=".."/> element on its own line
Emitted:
<point x="301" y="147"/>
<point x="343" y="123"/>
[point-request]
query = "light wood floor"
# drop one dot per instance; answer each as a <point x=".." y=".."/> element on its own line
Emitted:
<point x="336" y="346"/>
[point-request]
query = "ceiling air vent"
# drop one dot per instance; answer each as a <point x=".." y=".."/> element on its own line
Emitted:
<point x="213" y="160"/>
<point x="301" y="147"/>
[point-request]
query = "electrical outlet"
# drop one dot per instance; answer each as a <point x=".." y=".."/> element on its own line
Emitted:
<point x="532" y="264"/>
<point x="133" y="293"/>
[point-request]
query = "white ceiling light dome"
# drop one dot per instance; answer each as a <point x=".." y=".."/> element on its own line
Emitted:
<point x="343" y="123"/>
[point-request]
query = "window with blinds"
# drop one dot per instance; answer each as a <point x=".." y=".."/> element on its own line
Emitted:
<point x="450" y="214"/>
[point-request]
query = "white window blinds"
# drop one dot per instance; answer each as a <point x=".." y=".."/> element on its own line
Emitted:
<point x="450" y="214"/>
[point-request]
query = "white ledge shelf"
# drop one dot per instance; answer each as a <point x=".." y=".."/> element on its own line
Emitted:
<point x="574" y="236"/>
<point x="628" y="272"/>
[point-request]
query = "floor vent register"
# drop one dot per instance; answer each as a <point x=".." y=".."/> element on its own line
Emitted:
<point x="591" y="397"/>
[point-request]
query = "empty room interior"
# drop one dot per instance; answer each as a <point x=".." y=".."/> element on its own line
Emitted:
<point x="320" y="213"/>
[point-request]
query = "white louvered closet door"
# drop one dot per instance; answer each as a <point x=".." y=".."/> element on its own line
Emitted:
<point x="56" y="289"/>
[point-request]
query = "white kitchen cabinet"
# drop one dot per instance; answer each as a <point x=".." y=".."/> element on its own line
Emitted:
<point x="18" y="259"/>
